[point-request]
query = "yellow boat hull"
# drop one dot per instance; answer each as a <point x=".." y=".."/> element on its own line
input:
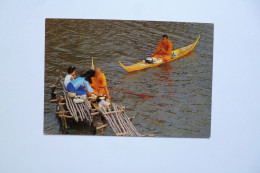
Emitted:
<point x="179" y="53"/>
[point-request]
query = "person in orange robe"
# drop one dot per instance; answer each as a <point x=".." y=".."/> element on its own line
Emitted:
<point x="164" y="49"/>
<point x="99" y="83"/>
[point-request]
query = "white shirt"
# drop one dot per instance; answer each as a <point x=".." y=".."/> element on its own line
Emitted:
<point x="67" y="80"/>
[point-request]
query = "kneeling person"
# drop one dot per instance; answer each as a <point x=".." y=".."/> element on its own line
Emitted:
<point x="81" y="85"/>
<point x="164" y="49"/>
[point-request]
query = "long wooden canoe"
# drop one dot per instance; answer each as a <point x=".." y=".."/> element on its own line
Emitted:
<point x="179" y="53"/>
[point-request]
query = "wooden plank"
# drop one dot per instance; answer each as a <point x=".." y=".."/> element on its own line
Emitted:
<point x="112" y="112"/>
<point x="93" y="110"/>
<point x="65" y="116"/>
<point x="122" y="134"/>
<point x="62" y="112"/>
<point x="100" y="127"/>
<point x="61" y="104"/>
<point x="95" y="113"/>
<point x="54" y="100"/>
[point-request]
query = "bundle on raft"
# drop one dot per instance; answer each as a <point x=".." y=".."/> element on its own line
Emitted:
<point x="81" y="109"/>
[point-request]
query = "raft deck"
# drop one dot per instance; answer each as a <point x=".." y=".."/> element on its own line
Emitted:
<point x="91" y="113"/>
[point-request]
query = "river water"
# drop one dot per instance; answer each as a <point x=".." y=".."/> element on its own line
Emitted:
<point x="182" y="89"/>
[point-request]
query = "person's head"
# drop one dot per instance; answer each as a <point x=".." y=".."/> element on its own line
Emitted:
<point x="97" y="70"/>
<point x="72" y="70"/>
<point x="164" y="38"/>
<point x="88" y="75"/>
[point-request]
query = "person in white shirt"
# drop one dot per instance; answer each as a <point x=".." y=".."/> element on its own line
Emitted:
<point x="70" y="76"/>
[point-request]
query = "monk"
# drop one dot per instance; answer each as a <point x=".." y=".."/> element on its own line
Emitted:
<point x="99" y="83"/>
<point x="164" y="49"/>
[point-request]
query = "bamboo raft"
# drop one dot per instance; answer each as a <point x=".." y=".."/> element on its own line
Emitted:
<point x="96" y="116"/>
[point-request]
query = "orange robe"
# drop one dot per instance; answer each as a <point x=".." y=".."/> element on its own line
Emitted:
<point x="98" y="83"/>
<point x="166" y="56"/>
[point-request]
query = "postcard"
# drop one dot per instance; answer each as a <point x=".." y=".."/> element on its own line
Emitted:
<point x="128" y="78"/>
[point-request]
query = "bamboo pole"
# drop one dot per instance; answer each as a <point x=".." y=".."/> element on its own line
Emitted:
<point x="62" y="112"/>
<point x="129" y="123"/>
<point x="71" y="108"/>
<point x="61" y="104"/>
<point x="67" y="101"/>
<point x="94" y="113"/>
<point x="93" y="110"/>
<point x="109" y="121"/>
<point x="65" y="116"/>
<point x="77" y="109"/>
<point x="54" y="100"/>
<point x="115" y="123"/>
<point x="114" y="120"/>
<point x="88" y="112"/>
<point x="132" y="127"/>
<point x="102" y="109"/>
<point x="100" y="127"/>
<point x="56" y="83"/>
<point x="84" y="112"/>
<point x="125" y="123"/>
<point x="121" y="123"/>
<point x="112" y="112"/>
<point x="74" y="108"/>
<point x="122" y="134"/>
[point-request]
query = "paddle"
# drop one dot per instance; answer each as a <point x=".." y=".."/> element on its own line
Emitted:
<point x="157" y="52"/>
<point x="140" y="95"/>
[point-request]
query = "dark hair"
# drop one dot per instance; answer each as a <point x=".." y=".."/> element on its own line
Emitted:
<point x="88" y="75"/>
<point x="71" y="69"/>
<point x="165" y="36"/>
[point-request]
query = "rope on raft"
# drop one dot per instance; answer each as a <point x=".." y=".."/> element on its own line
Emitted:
<point x="118" y="120"/>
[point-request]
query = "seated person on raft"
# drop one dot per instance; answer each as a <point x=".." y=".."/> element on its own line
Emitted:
<point x="99" y="83"/>
<point x="164" y="49"/>
<point x="81" y="85"/>
<point x="70" y="76"/>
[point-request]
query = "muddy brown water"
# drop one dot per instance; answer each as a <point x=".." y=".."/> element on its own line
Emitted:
<point x="181" y="106"/>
